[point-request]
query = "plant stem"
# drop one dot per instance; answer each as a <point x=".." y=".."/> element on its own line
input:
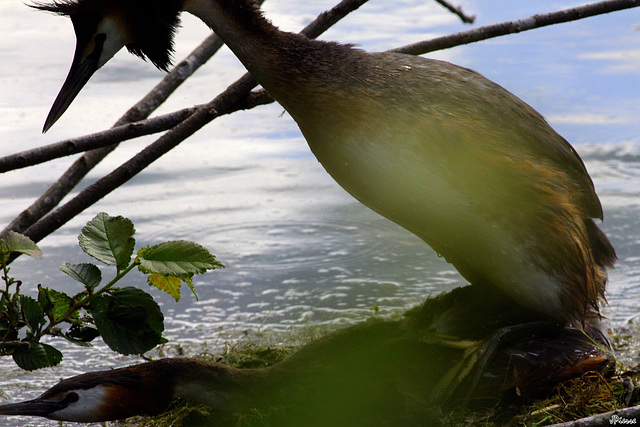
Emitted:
<point x="118" y="276"/>
<point x="86" y="302"/>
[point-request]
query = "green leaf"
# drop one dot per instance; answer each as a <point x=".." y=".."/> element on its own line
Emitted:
<point x="178" y="258"/>
<point x="32" y="312"/>
<point x="87" y="274"/>
<point x="169" y="284"/>
<point x="15" y="242"/>
<point x="37" y="356"/>
<point x="108" y="239"/>
<point x="81" y="334"/>
<point x="43" y="299"/>
<point x="189" y="283"/>
<point x="129" y="320"/>
<point x="55" y="303"/>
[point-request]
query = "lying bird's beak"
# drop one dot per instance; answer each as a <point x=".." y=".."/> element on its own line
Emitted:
<point x="36" y="407"/>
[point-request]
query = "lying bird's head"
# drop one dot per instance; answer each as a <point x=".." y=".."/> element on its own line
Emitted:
<point x="145" y="389"/>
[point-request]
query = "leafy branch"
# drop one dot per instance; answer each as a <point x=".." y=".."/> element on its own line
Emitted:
<point x="128" y="319"/>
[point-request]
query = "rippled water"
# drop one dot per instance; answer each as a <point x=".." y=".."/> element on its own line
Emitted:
<point x="299" y="251"/>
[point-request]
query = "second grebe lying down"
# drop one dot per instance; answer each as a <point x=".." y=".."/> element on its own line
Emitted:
<point x="386" y="373"/>
<point x="449" y="155"/>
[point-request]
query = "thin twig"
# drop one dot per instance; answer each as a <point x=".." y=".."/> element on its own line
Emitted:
<point x="457" y="10"/>
<point x="519" y="25"/>
<point x="329" y="18"/>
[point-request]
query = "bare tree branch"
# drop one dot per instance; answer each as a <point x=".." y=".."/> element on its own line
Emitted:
<point x="512" y="27"/>
<point x="619" y="416"/>
<point x="329" y="18"/>
<point x="93" y="141"/>
<point x="116" y="134"/>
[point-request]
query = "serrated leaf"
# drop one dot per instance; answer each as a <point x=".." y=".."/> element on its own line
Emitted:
<point x="15" y="242"/>
<point x="108" y="239"/>
<point x="189" y="283"/>
<point x="178" y="258"/>
<point x="37" y="356"/>
<point x="87" y="274"/>
<point x="169" y="284"/>
<point x="129" y="320"/>
<point x="32" y="312"/>
<point x="55" y="303"/>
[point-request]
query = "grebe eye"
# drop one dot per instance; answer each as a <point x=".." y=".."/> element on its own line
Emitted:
<point x="71" y="397"/>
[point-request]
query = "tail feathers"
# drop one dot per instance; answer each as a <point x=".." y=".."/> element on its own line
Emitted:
<point x="585" y="271"/>
<point x="604" y="256"/>
<point x="603" y="253"/>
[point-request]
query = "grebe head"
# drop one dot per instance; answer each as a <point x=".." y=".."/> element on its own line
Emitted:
<point x="145" y="389"/>
<point x="82" y="405"/>
<point x="103" y="27"/>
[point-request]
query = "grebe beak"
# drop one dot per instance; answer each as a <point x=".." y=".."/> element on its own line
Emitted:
<point x="36" y="407"/>
<point x="82" y="68"/>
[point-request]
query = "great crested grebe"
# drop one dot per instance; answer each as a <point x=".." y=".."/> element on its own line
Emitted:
<point x="449" y="155"/>
<point x="377" y="373"/>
